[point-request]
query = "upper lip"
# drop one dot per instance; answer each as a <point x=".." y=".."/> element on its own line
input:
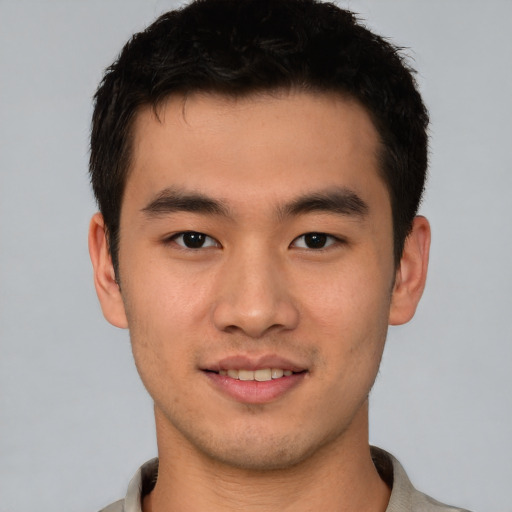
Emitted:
<point x="253" y="363"/>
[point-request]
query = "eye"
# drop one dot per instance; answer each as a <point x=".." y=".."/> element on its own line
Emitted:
<point x="194" y="240"/>
<point x="314" y="241"/>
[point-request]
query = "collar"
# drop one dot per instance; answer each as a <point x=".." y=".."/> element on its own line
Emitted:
<point x="404" y="497"/>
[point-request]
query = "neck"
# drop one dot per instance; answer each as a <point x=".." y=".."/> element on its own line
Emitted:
<point x="339" y="477"/>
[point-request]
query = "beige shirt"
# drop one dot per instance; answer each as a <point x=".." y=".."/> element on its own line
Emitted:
<point x="404" y="497"/>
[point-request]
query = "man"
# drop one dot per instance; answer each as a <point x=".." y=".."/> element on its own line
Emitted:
<point x="258" y="167"/>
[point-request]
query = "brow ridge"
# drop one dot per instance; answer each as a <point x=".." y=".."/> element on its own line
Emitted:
<point x="173" y="199"/>
<point x="342" y="201"/>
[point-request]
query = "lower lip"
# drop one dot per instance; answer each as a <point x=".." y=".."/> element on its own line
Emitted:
<point x="252" y="391"/>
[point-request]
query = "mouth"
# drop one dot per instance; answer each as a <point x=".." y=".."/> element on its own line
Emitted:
<point x="255" y="381"/>
<point x="261" y="375"/>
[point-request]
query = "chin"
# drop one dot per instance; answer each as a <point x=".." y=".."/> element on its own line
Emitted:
<point x="254" y="451"/>
<point x="259" y="456"/>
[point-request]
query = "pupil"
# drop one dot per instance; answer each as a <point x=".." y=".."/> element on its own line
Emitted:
<point x="315" y="240"/>
<point x="193" y="240"/>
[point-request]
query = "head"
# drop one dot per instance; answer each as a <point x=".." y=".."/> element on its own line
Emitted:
<point x="237" y="49"/>
<point x="258" y="166"/>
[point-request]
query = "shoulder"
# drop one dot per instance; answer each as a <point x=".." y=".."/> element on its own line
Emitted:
<point x="118" y="506"/>
<point x="422" y="502"/>
<point x="404" y="497"/>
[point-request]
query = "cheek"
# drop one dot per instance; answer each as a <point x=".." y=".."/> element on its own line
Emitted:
<point x="163" y="293"/>
<point x="348" y="318"/>
<point x="162" y="312"/>
<point x="348" y="298"/>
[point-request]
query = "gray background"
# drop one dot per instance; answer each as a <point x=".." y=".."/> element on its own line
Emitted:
<point x="75" y="421"/>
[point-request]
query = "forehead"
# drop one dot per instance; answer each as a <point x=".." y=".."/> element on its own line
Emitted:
<point x="265" y="146"/>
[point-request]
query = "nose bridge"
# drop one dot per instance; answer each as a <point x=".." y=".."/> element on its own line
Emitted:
<point x="253" y="295"/>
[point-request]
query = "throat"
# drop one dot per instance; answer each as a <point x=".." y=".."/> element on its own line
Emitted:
<point x="292" y="490"/>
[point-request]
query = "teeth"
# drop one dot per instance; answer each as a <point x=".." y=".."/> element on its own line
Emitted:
<point x="277" y="373"/>
<point x="245" y="375"/>
<point x="233" y="374"/>
<point x="262" y="375"/>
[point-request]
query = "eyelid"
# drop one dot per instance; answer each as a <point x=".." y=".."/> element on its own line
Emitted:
<point x="209" y="240"/>
<point x="331" y="240"/>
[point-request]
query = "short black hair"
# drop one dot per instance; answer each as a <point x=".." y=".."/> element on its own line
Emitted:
<point x="240" y="47"/>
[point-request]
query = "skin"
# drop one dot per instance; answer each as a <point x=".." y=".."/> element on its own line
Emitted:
<point x="257" y="289"/>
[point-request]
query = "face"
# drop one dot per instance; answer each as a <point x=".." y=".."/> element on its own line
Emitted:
<point x="256" y="272"/>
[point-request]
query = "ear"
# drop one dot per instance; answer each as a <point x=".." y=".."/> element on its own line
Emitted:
<point x="105" y="282"/>
<point x="411" y="274"/>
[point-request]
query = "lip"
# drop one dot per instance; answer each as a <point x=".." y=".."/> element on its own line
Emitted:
<point x="254" y="392"/>
<point x="242" y="362"/>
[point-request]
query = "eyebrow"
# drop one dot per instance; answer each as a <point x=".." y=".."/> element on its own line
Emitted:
<point x="172" y="200"/>
<point x="342" y="201"/>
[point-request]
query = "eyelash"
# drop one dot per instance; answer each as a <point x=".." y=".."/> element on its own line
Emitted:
<point x="314" y="236"/>
<point x="326" y="238"/>
<point x="195" y="234"/>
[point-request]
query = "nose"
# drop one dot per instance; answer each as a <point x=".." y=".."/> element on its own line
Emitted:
<point x="254" y="297"/>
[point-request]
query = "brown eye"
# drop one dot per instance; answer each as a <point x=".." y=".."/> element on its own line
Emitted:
<point x="194" y="240"/>
<point x="314" y="241"/>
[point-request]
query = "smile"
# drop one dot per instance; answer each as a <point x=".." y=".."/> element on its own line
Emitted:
<point x="261" y="375"/>
<point x="257" y="381"/>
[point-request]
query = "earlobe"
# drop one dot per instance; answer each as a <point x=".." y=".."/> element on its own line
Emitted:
<point x="411" y="274"/>
<point x="105" y="282"/>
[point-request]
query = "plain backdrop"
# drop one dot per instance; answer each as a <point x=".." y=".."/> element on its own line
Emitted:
<point x="75" y="420"/>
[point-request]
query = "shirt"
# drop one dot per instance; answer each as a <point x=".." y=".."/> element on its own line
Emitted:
<point x="404" y="497"/>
